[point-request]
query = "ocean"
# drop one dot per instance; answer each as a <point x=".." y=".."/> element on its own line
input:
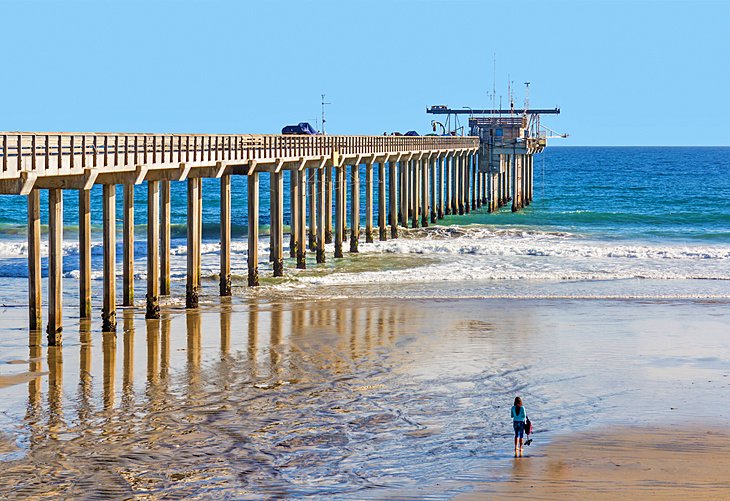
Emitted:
<point x="622" y="221"/>
<point x="389" y="373"/>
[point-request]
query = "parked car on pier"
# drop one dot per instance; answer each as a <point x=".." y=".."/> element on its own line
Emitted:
<point x="411" y="133"/>
<point x="300" y="128"/>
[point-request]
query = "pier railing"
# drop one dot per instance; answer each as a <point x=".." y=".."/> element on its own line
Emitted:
<point x="71" y="153"/>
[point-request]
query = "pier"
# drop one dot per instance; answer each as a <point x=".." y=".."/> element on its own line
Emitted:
<point x="419" y="180"/>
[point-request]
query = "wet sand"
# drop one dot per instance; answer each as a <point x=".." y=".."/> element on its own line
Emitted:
<point x="358" y="398"/>
<point x="666" y="462"/>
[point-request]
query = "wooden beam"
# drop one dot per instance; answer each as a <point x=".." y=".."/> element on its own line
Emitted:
<point x="152" y="310"/>
<point x="109" y="309"/>
<point x="34" y="260"/>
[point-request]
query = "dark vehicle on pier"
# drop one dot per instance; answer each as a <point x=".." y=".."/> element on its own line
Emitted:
<point x="300" y="128"/>
<point x="411" y="133"/>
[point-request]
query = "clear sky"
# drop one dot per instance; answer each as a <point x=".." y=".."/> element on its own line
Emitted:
<point x="623" y="72"/>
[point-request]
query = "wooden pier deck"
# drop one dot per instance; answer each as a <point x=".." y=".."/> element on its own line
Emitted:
<point x="428" y="177"/>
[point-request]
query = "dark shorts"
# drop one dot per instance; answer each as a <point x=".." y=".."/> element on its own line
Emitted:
<point x="519" y="427"/>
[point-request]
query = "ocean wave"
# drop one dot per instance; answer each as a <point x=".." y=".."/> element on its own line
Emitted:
<point x="511" y="242"/>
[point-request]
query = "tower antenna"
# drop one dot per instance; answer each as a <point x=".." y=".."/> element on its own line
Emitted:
<point x="527" y="96"/>
<point x="323" y="120"/>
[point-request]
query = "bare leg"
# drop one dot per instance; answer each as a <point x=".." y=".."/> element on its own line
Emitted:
<point x="520" y="443"/>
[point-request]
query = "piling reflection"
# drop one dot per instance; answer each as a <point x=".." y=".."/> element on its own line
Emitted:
<point x="128" y="361"/>
<point x="35" y="365"/>
<point x="192" y="319"/>
<point x="259" y="388"/>
<point x="109" y="348"/>
<point x="55" y="390"/>
<point x="85" y="378"/>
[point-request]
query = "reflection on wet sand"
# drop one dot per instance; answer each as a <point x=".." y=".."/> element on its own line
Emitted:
<point x="256" y="399"/>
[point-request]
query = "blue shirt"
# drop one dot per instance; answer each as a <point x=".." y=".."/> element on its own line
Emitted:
<point x="518" y="417"/>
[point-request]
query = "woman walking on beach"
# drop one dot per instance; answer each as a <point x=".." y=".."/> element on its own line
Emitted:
<point x="518" y="421"/>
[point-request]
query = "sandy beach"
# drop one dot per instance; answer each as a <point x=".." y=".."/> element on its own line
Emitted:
<point x="373" y="398"/>
<point x="658" y="462"/>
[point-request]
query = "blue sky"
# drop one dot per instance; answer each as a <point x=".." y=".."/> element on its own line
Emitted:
<point x="623" y="72"/>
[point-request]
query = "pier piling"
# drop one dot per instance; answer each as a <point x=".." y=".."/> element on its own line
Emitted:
<point x="225" y="229"/>
<point x="355" y="209"/>
<point x="109" y="309"/>
<point x="153" y="250"/>
<point x="312" y="188"/>
<point x="253" y="228"/>
<point x="55" y="267"/>
<point x="369" y="202"/>
<point x="128" y="247"/>
<point x="301" y="223"/>
<point x="392" y="184"/>
<point x="34" y="261"/>
<point x="84" y="253"/>
<point x="382" y="229"/>
<point x="321" y="210"/>
<point x="193" y="234"/>
<point x="165" y="237"/>
<point x="339" y="208"/>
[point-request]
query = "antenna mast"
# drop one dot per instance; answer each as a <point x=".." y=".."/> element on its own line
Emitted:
<point x="323" y="120"/>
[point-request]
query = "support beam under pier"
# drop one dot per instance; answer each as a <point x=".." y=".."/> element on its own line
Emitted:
<point x="253" y="229"/>
<point x="55" y="267"/>
<point x="109" y="309"/>
<point x="152" y="310"/>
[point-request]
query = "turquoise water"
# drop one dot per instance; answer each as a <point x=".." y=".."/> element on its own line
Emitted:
<point x="598" y="214"/>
